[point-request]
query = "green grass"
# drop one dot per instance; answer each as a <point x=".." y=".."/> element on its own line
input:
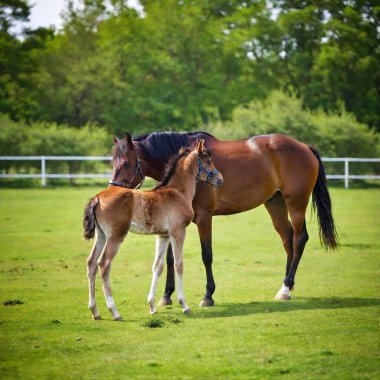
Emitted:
<point x="329" y="330"/>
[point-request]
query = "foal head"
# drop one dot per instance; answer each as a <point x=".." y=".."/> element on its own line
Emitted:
<point x="126" y="164"/>
<point x="206" y="170"/>
<point x="195" y="155"/>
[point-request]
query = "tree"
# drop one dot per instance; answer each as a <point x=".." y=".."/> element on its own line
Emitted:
<point x="331" y="55"/>
<point x="17" y="60"/>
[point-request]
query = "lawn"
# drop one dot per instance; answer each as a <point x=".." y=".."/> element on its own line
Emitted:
<point x="329" y="330"/>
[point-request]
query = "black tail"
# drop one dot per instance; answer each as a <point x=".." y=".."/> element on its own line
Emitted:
<point x="89" y="220"/>
<point x="322" y="202"/>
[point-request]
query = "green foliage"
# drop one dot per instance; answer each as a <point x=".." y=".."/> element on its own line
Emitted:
<point x="179" y="65"/>
<point x="334" y="135"/>
<point x="21" y="139"/>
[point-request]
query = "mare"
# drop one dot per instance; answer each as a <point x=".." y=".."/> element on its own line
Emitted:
<point x="275" y="170"/>
<point x="165" y="211"/>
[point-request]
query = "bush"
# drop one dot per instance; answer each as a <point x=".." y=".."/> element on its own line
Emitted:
<point x="20" y="139"/>
<point x="334" y="135"/>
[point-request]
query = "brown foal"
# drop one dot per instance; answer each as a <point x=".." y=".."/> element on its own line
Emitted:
<point x="165" y="211"/>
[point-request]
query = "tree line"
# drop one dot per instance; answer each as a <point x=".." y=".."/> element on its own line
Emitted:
<point x="190" y="65"/>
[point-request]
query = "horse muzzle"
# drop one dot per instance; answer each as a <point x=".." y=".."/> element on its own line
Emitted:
<point x="113" y="182"/>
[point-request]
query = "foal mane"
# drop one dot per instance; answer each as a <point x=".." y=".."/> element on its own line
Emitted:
<point x="171" y="167"/>
<point x="161" y="146"/>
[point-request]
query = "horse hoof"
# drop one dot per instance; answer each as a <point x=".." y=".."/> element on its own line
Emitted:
<point x="164" y="301"/>
<point x="283" y="297"/>
<point x="97" y="318"/>
<point x="119" y="318"/>
<point x="206" y="302"/>
<point x="187" y="311"/>
<point x="152" y="312"/>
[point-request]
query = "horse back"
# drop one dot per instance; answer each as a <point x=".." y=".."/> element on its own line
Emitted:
<point x="254" y="169"/>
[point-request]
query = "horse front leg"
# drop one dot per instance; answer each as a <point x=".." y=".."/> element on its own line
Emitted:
<point x="205" y="234"/>
<point x="170" y="282"/>
<point x="157" y="268"/>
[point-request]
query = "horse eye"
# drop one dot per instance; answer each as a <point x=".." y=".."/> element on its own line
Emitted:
<point x="126" y="165"/>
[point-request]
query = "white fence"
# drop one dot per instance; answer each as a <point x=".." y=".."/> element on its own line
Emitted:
<point x="346" y="176"/>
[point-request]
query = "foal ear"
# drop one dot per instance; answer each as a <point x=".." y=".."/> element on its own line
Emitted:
<point x="128" y="139"/>
<point x="200" y="146"/>
<point x="115" y="140"/>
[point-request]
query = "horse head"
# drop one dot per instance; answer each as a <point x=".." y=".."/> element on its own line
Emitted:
<point x="126" y="164"/>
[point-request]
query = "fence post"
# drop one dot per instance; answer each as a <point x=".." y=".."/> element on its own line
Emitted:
<point x="43" y="171"/>
<point x="346" y="172"/>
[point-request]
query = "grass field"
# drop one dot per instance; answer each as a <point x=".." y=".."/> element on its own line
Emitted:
<point x="329" y="330"/>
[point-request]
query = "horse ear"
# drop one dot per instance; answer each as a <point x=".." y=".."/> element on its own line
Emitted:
<point x="128" y="138"/>
<point x="115" y="139"/>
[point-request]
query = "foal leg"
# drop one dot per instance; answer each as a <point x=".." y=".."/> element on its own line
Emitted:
<point x="279" y="213"/>
<point x="92" y="268"/>
<point x="104" y="264"/>
<point x="170" y="283"/>
<point x="157" y="268"/>
<point x="177" y="240"/>
<point x="205" y="234"/>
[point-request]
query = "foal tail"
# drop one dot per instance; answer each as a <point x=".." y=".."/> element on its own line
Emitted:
<point x="322" y="202"/>
<point x="89" y="220"/>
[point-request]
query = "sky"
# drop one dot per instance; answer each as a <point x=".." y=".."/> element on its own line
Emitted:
<point x="47" y="12"/>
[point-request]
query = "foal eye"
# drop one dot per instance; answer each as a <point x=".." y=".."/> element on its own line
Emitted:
<point x="126" y="165"/>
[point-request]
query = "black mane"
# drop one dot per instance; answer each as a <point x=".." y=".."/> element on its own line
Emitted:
<point x="120" y="149"/>
<point x="160" y="146"/>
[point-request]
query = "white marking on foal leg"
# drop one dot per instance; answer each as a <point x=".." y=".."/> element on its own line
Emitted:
<point x="283" y="294"/>
<point x="112" y="307"/>
<point x="180" y="294"/>
<point x="157" y="268"/>
<point x="177" y="244"/>
<point x="104" y="264"/>
<point x="92" y="268"/>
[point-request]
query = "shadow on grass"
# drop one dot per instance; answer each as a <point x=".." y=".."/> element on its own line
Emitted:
<point x="312" y="303"/>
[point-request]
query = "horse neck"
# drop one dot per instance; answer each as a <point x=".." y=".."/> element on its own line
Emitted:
<point x="184" y="177"/>
<point x="150" y="168"/>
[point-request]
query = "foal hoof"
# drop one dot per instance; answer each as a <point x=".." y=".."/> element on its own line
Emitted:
<point x="206" y="302"/>
<point x="164" y="301"/>
<point x="283" y="297"/>
<point x="187" y="311"/>
<point x="97" y="318"/>
<point x="118" y="318"/>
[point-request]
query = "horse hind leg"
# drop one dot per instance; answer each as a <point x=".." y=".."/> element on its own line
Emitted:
<point x="157" y="268"/>
<point x="278" y="211"/>
<point x="300" y="238"/>
<point x="92" y="268"/>
<point x="104" y="263"/>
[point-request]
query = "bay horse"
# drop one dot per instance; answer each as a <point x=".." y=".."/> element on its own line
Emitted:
<point x="275" y="170"/>
<point x="165" y="211"/>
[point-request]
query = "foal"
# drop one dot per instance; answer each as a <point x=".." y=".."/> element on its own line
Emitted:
<point x="165" y="211"/>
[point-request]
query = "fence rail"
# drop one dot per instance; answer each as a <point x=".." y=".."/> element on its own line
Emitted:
<point x="346" y="176"/>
